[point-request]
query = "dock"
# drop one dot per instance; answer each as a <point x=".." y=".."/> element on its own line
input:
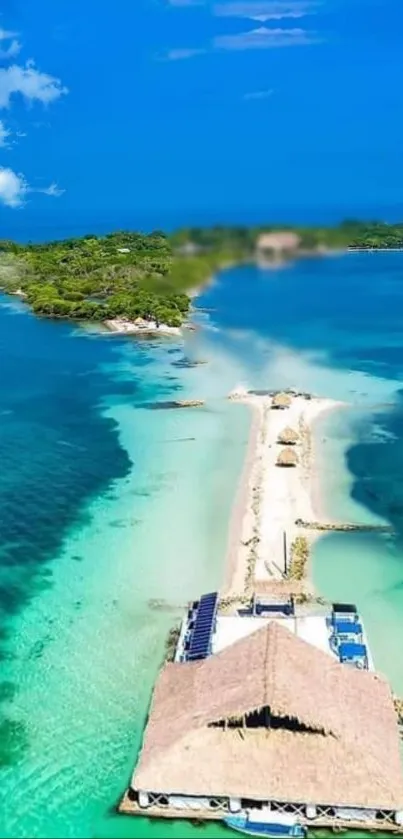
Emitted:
<point x="326" y="821"/>
<point x="313" y="733"/>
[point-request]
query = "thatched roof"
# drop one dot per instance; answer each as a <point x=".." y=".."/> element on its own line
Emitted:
<point x="287" y="457"/>
<point x="281" y="400"/>
<point x="288" y="437"/>
<point x="349" y="758"/>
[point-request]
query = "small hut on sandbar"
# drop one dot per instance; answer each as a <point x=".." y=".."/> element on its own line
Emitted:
<point x="288" y="437"/>
<point x="281" y="401"/>
<point x="287" y="457"/>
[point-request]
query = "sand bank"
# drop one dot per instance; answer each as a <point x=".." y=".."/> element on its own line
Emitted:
<point x="272" y="498"/>
<point x="122" y="326"/>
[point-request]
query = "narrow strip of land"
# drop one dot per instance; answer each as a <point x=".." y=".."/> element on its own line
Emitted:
<point x="275" y="496"/>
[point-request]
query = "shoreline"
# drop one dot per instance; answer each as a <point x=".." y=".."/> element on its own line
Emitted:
<point x="122" y="326"/>
<point x="270" y="499"/>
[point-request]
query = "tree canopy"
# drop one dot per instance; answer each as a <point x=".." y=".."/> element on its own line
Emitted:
<point x="95" y="278"/>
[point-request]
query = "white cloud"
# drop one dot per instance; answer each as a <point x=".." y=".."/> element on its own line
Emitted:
<point x="265" y="39"/>
<point x="256" y="39"/>
<point x="13" y="188"/>
<point x="4" y="135"/>
<point x="29" y="83"/>
<point x="5" y="35"/>
<point x="9" y="50"/>
<point x="53" y="190"/>
<point x="33" y="86"/>
<point x="258" y="94"/>
<point x="265" y="9"/>
<point x="179" y="54"/>
<point x="261" y="10"/>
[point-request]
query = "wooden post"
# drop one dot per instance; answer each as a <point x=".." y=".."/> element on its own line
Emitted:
<point x="285" y="554"/>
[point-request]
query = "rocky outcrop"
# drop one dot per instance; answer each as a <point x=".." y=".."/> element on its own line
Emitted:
<point x="188" y="403"/>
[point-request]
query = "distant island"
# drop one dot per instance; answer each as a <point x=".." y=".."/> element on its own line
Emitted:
<point x="144" y="282"/>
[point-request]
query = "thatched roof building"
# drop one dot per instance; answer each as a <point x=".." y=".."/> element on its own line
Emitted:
<point x="304" y="728"/>
<point x="287" y="457"/>
<point x="288" y="437"/>
<point x="281" y="400"/>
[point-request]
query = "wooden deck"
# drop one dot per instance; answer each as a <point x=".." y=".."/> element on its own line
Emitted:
<point x="131" y="808"/>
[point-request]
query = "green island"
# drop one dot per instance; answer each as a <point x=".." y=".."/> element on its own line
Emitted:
<point x="131" y="276"/>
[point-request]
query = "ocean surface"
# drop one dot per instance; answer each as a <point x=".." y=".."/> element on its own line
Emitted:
<point x="114" y="510"/>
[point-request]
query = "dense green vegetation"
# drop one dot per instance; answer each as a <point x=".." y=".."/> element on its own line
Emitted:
<point x="134" y="275"/>
<point x="95" y="278"/>
<point x="349" y="233"/>
<point x="378" y="235"/>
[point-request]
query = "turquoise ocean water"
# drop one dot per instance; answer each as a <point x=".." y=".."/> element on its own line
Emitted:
<point x="110" y="503"/>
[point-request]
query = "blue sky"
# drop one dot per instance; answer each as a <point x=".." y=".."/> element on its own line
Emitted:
<point x="183" y="108"/>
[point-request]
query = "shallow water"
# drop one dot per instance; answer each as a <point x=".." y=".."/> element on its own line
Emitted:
<point x="106" y="504"/>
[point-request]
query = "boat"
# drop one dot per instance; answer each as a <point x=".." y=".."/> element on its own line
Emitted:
<point x="265" y="823"/>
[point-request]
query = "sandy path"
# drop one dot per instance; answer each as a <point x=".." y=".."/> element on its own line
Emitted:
<point x="271" y="498"/>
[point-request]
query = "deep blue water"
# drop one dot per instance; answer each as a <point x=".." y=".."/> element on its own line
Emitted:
<point x="55" y="448"/>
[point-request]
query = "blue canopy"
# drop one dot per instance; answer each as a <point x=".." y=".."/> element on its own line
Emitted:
<point x="347" y="651"/>
<point x="348" y="628"/>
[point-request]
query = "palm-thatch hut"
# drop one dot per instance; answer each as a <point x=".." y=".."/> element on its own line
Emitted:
<point x="269" y="719"/>
<point x="281" y="400"/>
<point x="288" y="437"/>
<point x="287" y="457"/>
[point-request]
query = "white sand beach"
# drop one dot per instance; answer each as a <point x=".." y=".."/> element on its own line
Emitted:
<point x="271" y="498"/>
<point x="122" y="326"/>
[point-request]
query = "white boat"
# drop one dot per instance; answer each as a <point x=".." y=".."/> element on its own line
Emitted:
<point x="265" y="822"/>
